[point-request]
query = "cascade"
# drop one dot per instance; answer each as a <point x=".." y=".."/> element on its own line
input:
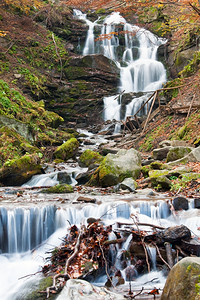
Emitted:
<point x="139" y="69"/>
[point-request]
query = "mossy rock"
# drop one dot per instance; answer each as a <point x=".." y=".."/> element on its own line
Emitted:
<point x="116" y="167"/>
<point x="59" y="189"/>
<point x="36" y="294"/>
<point x="176" y="153"/>
<point x="89" y="157"/>
<point x="67" y="150"/>
<point x="183" y="281"/>
<point x="157" y="165"/>
<point x="161" y="182"/>
<point x="18" y="171"/>
<point x="145" y="170"/>
<point x="158" y="173"/>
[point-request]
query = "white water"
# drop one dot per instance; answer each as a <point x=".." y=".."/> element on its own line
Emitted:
<point x="139" y="69"/>
<point x="26" y="263"/>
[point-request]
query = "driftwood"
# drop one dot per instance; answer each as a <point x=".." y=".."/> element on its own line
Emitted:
<point x="85" y="251"/>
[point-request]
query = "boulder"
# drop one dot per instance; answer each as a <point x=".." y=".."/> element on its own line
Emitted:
<point x="173" y="143"/>
<point x="89" y="157"/>
<point x="80" y="290"/>
<point x="193" y="156"/>
<point x="116" y="167"/>
<point x="18" y="171"/>
<point x="161" y="182"/>
<point x="183" y="281"/>
<point x="180" y="203"/>
<point x="196" y="202"/>
<point x="161" y="153"/>
<point x="128" y="184"/>
<point x="67" y="150"/>
<point x="178" y="152"/>
<point x="64" y="177"/>
<point x="175" y="234"/>
<point x="105" y="68"/>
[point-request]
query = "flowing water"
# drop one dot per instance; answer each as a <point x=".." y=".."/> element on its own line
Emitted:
<point x="35" y="223"/>
<point x="137" y="60"/>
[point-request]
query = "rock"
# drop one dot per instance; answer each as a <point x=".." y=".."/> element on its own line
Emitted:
<point x="147" y="162"/>
<point x="161" y="182"/>
<point x="193" y="156"/>
<point x="161" y="153"/>
<point x="64" y="177"/>
<point x="173" y="143"/>
<point x="176" y="234"/>
<point x="71" y="291"/>
<point x="59" y="189"/>
<point x="197" y="203"/>
<point x="178" y="152"/>
<point x="18" y="171"/>
<point x="86" y="199"/>
<point x="89" y="157"/>
<point x="67" y="150"/>
<point x="82" y="178"/>
<point x="180" y="203"/>
<point x="158" y="173"/>
<point x="183" y="281"/>
<point x="105" y="68"/>
<point x="128" y="184"/>
<point x="116" y="167"/>
<point x="20" y="127"/>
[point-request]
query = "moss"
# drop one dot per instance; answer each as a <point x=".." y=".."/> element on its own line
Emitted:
<point x="43" y="285"/>
<point x="158" y="173"/>
<point x="145" y="170"/>
<point x="157" y="165"/>
<point x="67" y="150"/>
<point x="73" y="72"/>
<point x="192" y="67"/>
<point x="177" y="152"/>
<point x="182" y="132"/>
<point x="89" y="157"/>
<point x="18" y="171"/>
<point x="59" y="189"/>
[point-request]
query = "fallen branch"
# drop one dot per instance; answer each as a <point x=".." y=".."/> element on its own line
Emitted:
<point x="106" y="263"/>
<point x="161" y="256"/>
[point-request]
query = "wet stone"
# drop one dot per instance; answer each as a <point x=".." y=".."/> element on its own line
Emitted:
<point x="180" y="203"/>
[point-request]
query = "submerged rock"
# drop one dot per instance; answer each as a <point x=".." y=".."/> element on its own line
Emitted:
<point x="183" y="281"/>
<point x="80" y="290"/>
<point x="180" y="203"/>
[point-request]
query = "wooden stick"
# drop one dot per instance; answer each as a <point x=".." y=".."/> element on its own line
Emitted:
<point x="190" y="107"/>
<point x="161" y="256"/>
<point x="169" y="254"/>
<point x="148" y="116"/>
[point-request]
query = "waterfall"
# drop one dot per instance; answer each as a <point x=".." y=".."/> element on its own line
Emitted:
<point x="23" y="229"/>
<point x="137" y="60"/>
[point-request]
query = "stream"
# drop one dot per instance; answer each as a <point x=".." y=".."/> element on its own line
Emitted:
<point x="34" y="223"/>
